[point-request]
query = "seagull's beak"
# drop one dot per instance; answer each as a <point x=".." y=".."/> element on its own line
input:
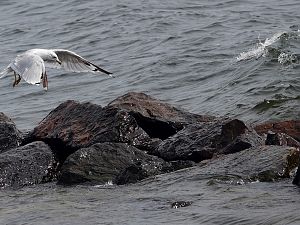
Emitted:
<point x="58" y="61"/>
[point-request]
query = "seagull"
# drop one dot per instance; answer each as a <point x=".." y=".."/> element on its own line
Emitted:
<point x="31" y="64"/>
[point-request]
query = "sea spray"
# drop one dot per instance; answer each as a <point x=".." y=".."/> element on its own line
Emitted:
<point x="260" y="50"/>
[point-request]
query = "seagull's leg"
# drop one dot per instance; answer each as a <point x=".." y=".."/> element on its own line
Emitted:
<point x="18" y="80"/>
<point x="45" y="81"/>
<point x="15" y="82"/>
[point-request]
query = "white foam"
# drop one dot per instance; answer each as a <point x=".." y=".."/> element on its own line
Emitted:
<point x="285" y="58"/>
<point x="260" y="49"/>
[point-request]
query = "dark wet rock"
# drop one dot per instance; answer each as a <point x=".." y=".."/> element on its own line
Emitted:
<point x="281" y="139"/>
<point x="147" y="144"/>
<point x="191" y="143"/>
<point x="122" y="142"/>
<point x="179" y="164"/>
<point x="135" y="118"/>
<point x="118" y="163"/>
<point x="202" y="141"/>
<point x="158" y="119"/>
<point x="264" y="163"/>
<point x="26" y="165"/>
<point x="237" y="136"/>
<point x="10" y="136"/>
<point x="290" y="127"/>
<point x="179" y="204"/>
<point x="74" y="125"/>
<point x="296" y="179"/>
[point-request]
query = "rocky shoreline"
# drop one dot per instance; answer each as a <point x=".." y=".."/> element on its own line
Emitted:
<point x="136" y="137"/>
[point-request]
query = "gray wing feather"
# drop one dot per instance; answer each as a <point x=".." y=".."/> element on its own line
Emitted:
<point x="29" y="66"/>
<point x="4" y="72"/>
<point x="75" y="63"/>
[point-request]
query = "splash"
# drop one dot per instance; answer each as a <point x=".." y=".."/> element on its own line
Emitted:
<point x="107" y="184"/>
<point x="286" y="59"/>
<point x="260" y="50"/>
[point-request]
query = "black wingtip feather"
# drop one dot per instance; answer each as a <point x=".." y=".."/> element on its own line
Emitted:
<point x="97" y="68"/>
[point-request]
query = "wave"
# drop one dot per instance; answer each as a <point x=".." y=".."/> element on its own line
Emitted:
<point x="274" y="103"/>
<point x="260" y="49"/>
<point x="282" y="52"/>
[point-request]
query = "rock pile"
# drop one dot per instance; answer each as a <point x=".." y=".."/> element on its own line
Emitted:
<point x="137" y="136"/>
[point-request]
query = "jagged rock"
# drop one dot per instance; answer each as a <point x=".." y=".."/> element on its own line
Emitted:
<point x="74" y="125"/>
<point x="237" y="136"/>
<point x="26" y="165"/>
<point x="118" y="163"/>
<point x="264" y="163"/>
<point x="290" y="127"/>
<point x="281" y="139"/>
<point x="10" y="136"/>
<point x="201" y="141"/>
<point x="102" y="144"/>
<point x="136" y="119"/>
<point x="158" y="119"/>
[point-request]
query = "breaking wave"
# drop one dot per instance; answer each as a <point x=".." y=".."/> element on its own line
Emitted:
<point x="277" y="47"/>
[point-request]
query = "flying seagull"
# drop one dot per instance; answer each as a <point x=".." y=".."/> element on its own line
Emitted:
<point x="30" y="65"/>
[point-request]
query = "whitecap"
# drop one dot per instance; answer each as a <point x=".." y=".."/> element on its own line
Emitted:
<point x="260" y="50"/>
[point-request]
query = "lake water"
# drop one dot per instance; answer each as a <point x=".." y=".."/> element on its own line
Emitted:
<point x="236" y="58"/>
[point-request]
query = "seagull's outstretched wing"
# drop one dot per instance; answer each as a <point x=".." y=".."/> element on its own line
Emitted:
<point x="29" y="66"/>
<point x="70" y="61"/>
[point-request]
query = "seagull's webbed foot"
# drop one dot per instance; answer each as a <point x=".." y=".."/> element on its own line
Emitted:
<point x="17" y="81"/>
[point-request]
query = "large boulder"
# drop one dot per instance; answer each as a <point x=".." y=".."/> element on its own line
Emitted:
<point x="264" y="163"/>
<point x="159" y="119"/>
<point x="135" y="118"/>
<point x="202" y="141"/>
<point x="74" y="125"/>
<point x="26" y="165"/>
<point x="10" y="136"/>
<point x="102" y="163"/>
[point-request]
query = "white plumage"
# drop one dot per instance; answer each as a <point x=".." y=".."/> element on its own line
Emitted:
<point x="30" y="65"/>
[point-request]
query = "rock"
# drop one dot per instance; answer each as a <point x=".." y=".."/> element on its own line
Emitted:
<point x="74" y="125"/>
<point x="296" y="179"/>
<point x="237" y="136"/>
<point x="290" y="127"/>
<point x="179" y="164"/>
<point x="281" y="139"/>
<point x="191" y="143"/>
<point x="135" y="118"/>
<point x="101" y="163"/>
<point x="158" y="119"/>
<point x="179" y="204"/>
<point x="10" y="136"/>
<point x="264" y="163"/>
<point x="201" y="141"/>
<point x="26" y="165"/>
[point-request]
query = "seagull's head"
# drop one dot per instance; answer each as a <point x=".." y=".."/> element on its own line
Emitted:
<point x="52" y="57"/>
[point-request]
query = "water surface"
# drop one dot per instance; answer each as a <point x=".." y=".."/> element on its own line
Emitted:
<point x="235" y="58"/>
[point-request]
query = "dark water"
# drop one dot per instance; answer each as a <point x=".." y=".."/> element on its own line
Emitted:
<point x="224" y="57"/>
<point x="213" y="201"/>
